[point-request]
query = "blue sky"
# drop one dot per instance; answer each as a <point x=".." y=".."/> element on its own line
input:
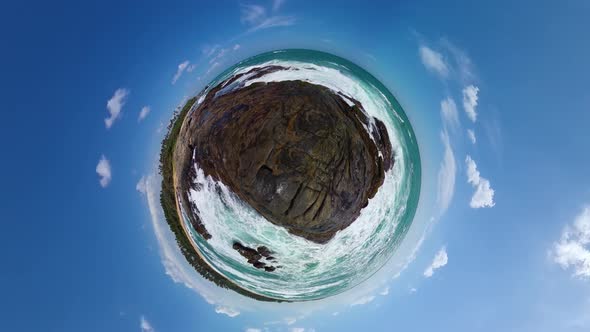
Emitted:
<point x="82" y="250"/>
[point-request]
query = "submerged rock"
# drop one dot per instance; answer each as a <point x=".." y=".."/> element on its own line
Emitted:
<point x="264" y="251"/>
<point x="254" y="256"/>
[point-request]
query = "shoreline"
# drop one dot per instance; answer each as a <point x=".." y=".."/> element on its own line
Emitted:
<point x="169" y="192"/>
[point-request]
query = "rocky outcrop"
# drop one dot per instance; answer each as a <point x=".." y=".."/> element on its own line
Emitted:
<point x="254" y="257"/>
<point x="296" y="152"/>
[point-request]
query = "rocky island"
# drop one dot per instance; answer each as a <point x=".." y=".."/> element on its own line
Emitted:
<point x="275" y="158"/>
<point x="304" y="157"/>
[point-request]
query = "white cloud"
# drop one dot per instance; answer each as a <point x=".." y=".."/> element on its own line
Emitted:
<point x="231" y="312"/>
<point x="257" y="18"/>
<point x="470" y="101"/>
<point x="273" y="22"/>
<point x="484" y="194"/>
<point x="180" y="70"/>
<point x="212" y="67"/>
<point x="142" y="185"/>
<point x="290" y="320"/>
<point x="252" y="14"/>
<point x="160" y="127"/>
<point x="276" y="4"/>
<point x="145" y="325"/>
<point x="448" y="62"/>
<point x="433" y="61"/>
<point x="103" y="169"/>
<point x="385" y="291"/>
<point x="300" y="329"/>
<point x="449" y="113"/>
<point x="463" y="66"/>
<point x="143" y="113"/>
<point x="363" y="300"/>
<point x="217" y="53"/>
<point x="253" y="330"/>
<point x="209" y="50"/>
<point x="441" y="259"/>
<point x="446" y="175"/>
<point x="573" y="249"/>
<point x="115" y="105"/>
<point x="218" y="56"/>
<point x="413" y="290"/>
<point x="471" y="136"/>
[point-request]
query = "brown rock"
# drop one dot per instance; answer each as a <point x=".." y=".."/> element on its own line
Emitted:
<point x="294" y="151"/>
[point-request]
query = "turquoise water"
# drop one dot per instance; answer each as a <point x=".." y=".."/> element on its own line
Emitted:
<point x="311" y="271"/>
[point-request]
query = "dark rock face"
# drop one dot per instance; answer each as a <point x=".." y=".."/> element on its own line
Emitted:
<point x="294" y="151"/>
<point x="254" y="256"/>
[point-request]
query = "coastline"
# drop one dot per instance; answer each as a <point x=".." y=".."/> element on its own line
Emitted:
<point x="174" y="218"/>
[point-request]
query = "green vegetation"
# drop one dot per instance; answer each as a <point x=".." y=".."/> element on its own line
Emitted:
<point x="168" y="201"/>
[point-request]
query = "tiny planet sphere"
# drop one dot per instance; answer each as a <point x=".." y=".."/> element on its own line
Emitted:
<point x="293" y="176"/>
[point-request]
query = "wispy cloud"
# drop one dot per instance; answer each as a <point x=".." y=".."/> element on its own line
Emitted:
<point x="449" y="113"/>
<point x="115" y="105"/>
<point x="471" y="136"/>
<point x="257" y="17"/>
<point x="301" y="329"/>
<point x="103" y="169"/>
<point x="484" y="194"/>
<point x="209" y="50"/>
<point x="218" y="56"/>
<point x="252" y="14"/>
<point x="440" y="259"/>
<point x="448" y="168"/>
<point x="143" y="113"/>
<point x="180" y="70"/>
<point x="363" y="300"/>
<point x="141" y="185"/>
<point x="446" y="175"/>
<point x="451" y="62"/>
<point x="250" y="329"/>
<point x="448" y="61"/>
<point x="463" y="67"/>
<point x="145" y="325"/>
<point x="231" y="312"/>
<point x="433" y="61"/>
<point x="493" y="131"/>
<point x="212" y="67"/>
<point x="470" y="101"/>
<point x="385" y="291"/>
<point x="273" y="22"/>
<point x="276" y="4"/>
<point x="573" y="249"/>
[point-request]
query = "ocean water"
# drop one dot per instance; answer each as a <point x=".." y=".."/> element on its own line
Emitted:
<point x="311" y="271"/>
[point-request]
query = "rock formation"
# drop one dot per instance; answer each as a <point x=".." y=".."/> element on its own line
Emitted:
<point x="296" y="152"/>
